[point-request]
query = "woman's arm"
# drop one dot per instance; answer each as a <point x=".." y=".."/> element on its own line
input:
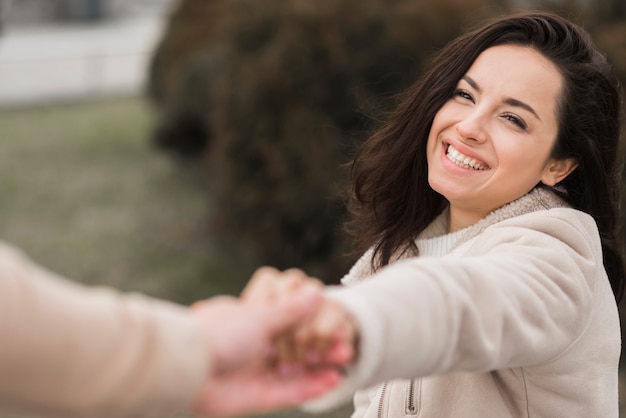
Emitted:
<point x="520" y="295"/>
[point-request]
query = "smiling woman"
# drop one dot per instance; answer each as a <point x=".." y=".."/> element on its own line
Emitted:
<point x="576" y="100"/>
<point x="487" y="207"/>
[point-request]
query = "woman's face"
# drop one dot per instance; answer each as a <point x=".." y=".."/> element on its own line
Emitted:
<point x="490" y="143"/>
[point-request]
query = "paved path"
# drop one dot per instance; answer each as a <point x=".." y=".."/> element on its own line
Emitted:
<point x="43" y="64"/>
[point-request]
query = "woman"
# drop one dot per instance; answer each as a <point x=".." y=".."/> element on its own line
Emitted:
<point x="488" y="203"/>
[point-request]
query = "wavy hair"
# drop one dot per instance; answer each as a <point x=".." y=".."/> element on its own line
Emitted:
<point x="391" y="201"/>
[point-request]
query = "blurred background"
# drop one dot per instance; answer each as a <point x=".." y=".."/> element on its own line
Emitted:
<point x="171" y="147"/>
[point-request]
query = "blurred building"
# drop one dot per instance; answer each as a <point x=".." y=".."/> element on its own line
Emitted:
<point x="54" y="50"/>
<point x="34" y="12"/>
<point x="37" y="11"/>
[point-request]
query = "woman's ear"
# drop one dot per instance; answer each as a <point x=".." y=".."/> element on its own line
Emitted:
<point x="557" y="170"/>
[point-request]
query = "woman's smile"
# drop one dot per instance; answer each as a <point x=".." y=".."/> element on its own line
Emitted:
<point x="464" y="161"/>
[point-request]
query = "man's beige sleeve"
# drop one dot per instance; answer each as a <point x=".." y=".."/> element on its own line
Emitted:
<point x="67" y="350"/>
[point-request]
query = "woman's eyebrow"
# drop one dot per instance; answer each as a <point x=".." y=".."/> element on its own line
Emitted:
<point x="471" y="82"/>
<point x="509" y="100"/>
<point x="514" y="102"/>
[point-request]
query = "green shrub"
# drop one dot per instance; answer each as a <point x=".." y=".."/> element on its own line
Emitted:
<point x="271" y="97"/>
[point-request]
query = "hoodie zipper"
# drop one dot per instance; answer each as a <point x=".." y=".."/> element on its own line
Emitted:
<point x="410" y="407"/>
<point x="382" y="400"/>
<point x="410" y="398"/>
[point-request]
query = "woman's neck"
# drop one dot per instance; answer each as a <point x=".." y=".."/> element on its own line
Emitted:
<point x="460" y="219"/>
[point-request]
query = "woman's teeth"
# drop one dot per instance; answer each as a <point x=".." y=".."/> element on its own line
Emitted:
<point x="463" y="160"/>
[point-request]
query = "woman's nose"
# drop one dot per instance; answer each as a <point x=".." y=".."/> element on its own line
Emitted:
<point x="472" y="128"/>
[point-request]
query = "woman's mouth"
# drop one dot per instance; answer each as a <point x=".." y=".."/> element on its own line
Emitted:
<point x="463" y="160"/>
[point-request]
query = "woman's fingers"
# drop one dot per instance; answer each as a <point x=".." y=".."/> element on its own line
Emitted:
<point x="329" y="338"/>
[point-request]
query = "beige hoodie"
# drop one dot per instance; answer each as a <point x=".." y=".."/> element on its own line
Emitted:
<point x="512" y="317"/>
<point x="70" y="351"/>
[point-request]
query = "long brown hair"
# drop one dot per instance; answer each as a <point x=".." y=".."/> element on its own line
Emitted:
<point x="391" y="201"/>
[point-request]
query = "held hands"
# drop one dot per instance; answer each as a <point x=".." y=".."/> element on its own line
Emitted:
<point x="280" y="344"/>
<point x="326" y="340"/>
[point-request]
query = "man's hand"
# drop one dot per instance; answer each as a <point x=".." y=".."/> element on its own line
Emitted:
<point x="242" y="339"/>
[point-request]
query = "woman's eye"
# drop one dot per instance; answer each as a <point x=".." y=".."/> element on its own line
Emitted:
<point x="516" y="121"/>
<point x="463" y="95"/>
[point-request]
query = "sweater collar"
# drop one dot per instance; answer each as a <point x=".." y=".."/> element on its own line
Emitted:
<point x="540" y="198"/>
<point x="435" y="238"/>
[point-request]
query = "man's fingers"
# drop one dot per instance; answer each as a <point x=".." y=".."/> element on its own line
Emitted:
<point x="268" y="285"/>
<point x="260" y="288"/>
<point x="291" y="311"/>
<point x="242" y="394"/>
<point x="299" y="389"/>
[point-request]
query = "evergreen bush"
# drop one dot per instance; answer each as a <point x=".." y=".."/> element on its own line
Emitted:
<point x="271" y="97"/>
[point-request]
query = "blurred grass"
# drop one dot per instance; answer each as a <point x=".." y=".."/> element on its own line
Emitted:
<point x="84" y="194"/>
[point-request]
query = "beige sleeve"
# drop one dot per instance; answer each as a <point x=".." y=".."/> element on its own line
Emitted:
<point x="67" y="350"/>
<point x="523" y="297"/>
